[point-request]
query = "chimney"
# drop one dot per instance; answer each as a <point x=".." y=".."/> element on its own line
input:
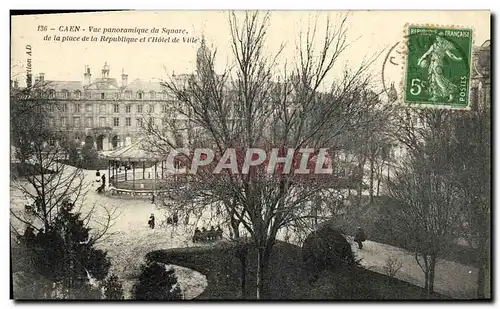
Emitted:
<point x="124" y="79"/>
<point x="105" y="70"/>
<point x="87" y="76"/>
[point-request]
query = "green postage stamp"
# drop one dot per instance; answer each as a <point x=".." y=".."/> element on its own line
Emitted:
<point x="438" y="67"/>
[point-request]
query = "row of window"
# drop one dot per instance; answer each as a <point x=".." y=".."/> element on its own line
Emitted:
<point x="77" y="94"/>
<point x="89" y="122"/>
<point x="77" y="108"/>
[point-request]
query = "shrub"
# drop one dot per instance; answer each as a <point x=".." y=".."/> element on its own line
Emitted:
<point x="392" y="266"/>
<point x="326" y="248"/>
<point x="156" y="283"/>
<point x="66" y="244"/>
<point x="73" y="155"/>
<point x="89" y="155"/>
<point x="113" y="288"/>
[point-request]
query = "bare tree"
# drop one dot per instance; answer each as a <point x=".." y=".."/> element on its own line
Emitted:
<point x="258" y="104"/>
<point x="430" y="201"/>
<point x="371" y="145"/>
<point x="471" y="165"/>
<point x="38" y="149"/>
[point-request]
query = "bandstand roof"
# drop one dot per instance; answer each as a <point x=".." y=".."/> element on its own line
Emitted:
<point x="135" y="152"/>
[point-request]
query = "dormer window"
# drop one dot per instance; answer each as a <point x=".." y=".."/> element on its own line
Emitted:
<point x="52" y="94"/>
<point x="152" y="95"/>
<point x="128" y="95"/>
<point x="102" y="96"/>
<point x="139" y="95"/>
<point x="77" y="94"/>
<point x="64" y="94"/>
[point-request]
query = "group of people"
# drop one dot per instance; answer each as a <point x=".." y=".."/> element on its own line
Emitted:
<point x="174" y="220"/>
<point x="207" y="235"/>
<point x="101" y="182"/>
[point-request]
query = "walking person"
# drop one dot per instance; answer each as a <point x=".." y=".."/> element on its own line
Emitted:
<point x="38" y="204"/>
<point x="175" y="218"/>
<point x="97" y="177"/>
<point x="196" y="236"/>
<point x="103" y="178"/>
<point x="151" y="221"/>
<point x="360" y="237"/>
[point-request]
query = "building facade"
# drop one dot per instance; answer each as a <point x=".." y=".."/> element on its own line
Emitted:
<point x="480" y="93"/>
<point x="105" y="111"/>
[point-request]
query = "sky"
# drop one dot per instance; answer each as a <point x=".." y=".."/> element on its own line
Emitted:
<point x="370" y="33"/>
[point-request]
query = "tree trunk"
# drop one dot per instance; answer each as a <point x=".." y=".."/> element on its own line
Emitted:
<point x="388" y="172"/>
<point x="426" y="284"/>
<point x="262" y="267"/>
<point x="378" y="186"/>
<point x="380" y="175"/>
<point x="259" y="273"/>
<point x="432" y="274"/>
<point x="242" y="253"/>
<point x="425" y="268"/>
<point x="243" y="274"/>
<point x="372" y="172"/>
<point x="235" y="226"/>
<point x="361" y="166"/>
<point x="483" y="266"/>
<point x="481" y="274"/>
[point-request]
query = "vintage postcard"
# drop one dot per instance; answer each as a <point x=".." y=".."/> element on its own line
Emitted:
<point x="242" y="155"/>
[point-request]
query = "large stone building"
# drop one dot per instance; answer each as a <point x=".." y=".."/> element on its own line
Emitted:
<point x="109" y="112"/>
<point x="104" y="110"/>
<point x="481" y="76"/>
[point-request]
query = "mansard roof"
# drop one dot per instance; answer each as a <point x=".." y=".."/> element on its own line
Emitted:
<point x="59" y="85"/>
<point x="104" y="84"/>
<point x="145" y="86"/>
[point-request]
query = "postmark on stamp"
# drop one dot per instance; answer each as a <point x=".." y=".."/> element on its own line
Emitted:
<point x="437" y="67"/>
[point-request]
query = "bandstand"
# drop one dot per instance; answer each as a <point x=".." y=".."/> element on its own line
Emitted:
<point x="135" y="171"/>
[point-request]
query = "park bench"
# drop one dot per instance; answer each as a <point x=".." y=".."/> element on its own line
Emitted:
<point x="135" y="192"/>
<point x="29" y="209"/>
<point x="207" y="236"/>
<point x="131" y="192"/>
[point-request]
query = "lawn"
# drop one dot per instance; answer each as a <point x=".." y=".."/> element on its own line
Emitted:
<point x="287" y="280"/>
<point x="98" y="164"/>
<point x="28" y="169"/>
<point x="376" y="221"/>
